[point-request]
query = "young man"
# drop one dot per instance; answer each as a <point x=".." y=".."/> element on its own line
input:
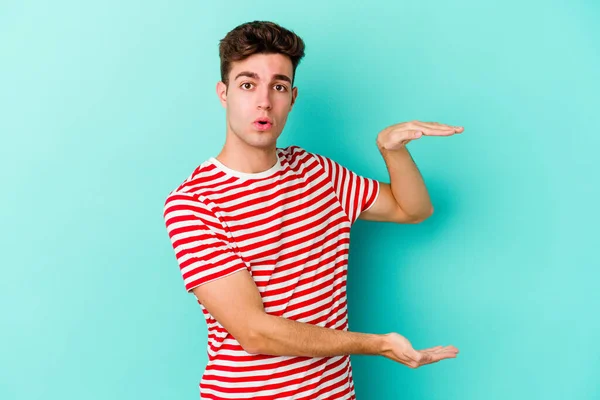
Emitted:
<point x="261" y="235"/>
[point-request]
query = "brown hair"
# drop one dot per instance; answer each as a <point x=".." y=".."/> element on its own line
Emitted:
<point x="258" y="37"/>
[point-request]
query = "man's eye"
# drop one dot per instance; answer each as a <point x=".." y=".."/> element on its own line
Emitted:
<point x="245" y="85"/>
<point x="282" y="88"/>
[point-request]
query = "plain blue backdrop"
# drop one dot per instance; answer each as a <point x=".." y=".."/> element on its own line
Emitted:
<point x="105" y="107"/>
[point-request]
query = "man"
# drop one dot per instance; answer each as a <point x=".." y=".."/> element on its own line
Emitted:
<point x="261" y="235"/>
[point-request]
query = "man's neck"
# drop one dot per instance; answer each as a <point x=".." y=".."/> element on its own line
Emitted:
<point x="247" y="159"/>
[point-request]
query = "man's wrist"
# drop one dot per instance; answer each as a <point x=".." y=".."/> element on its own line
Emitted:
<point x="383" y="143"/>
<point x="380" y="141"/>
<point x="382" y="344"/>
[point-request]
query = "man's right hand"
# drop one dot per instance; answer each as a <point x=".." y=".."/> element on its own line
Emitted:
<point x="399" y="349"/>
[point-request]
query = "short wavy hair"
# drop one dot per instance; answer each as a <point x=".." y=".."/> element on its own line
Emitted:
<point x="258" y="37"/>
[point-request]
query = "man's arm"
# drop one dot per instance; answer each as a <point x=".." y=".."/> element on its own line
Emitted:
<point x="387" y="209"/>
<point x="405" y="199"/>
<point x="236" y="303"/>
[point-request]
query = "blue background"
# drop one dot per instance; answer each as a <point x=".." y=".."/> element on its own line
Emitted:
<point x="107" y="106"/>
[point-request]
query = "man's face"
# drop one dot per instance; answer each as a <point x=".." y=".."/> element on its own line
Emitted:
<point x="259" y="87"/>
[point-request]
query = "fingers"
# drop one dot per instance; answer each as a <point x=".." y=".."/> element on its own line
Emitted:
<point x="448" y="348"/>
<point x="437" y="129"/>
<point x="435" y="354"/>
<point x="427" y="131"/>
<point x="416" y="358"/>
<point x="437" y="125"/>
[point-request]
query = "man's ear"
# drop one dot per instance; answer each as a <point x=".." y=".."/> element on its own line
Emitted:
<point x="294" y="95"/>
<point x="222" y="93"/>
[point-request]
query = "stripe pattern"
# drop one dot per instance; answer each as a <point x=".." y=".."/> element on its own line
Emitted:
<point x="290" y="228"/>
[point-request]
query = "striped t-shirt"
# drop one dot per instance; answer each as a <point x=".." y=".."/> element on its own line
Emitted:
<point x="289" y="227"/>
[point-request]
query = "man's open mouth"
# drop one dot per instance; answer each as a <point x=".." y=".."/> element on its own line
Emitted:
<point x="263" y="124"/>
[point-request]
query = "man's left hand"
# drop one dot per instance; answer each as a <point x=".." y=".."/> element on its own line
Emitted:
<point x="397" y="136"/>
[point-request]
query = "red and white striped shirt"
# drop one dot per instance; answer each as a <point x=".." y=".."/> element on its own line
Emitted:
<point x="289" y="227"/>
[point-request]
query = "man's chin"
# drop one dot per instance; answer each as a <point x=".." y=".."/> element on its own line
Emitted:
<point x="263" y="143"/>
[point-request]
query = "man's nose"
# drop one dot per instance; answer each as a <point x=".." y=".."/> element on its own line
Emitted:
<point x="264" y="99"/>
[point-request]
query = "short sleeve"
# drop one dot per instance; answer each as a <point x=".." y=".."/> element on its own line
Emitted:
<point x="199" y="241"/>
<point x="356" y="193"/>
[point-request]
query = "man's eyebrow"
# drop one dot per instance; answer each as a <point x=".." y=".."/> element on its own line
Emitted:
<point x="253" y="75"/>
<point x="281" y="77"/>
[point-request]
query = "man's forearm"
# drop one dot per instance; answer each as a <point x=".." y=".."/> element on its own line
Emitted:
<point x="406" y="183"/>
<point x="281" y="336"/>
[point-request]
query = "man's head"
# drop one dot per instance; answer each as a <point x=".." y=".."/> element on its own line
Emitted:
<point x="258" y="68"/>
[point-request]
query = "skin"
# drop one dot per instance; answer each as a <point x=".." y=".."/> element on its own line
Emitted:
<point x="246" y="149"/>
<point x="404" y="200"/>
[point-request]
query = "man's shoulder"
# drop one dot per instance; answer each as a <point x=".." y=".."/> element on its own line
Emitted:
<point x="194" y="184"/>
<point x="291" y="149"/>
<point x="294" y="151"/>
